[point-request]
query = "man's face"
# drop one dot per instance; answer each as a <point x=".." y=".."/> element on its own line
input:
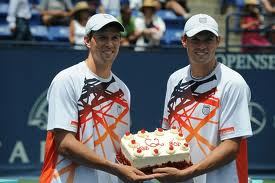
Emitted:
<point x="201" y="47"/>
<point x="126" y="15"/>
<point x="104" y="45"/>
<point x="148" y="11"/>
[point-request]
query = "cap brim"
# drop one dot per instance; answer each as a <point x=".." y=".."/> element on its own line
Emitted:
<point x="98" y="27"/>
<point x="195" y="31"/>
<point x="120" y="26"/>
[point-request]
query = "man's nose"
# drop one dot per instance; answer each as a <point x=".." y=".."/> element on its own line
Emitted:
<point x="201" y="44"/>
<point x="109" y="42"/>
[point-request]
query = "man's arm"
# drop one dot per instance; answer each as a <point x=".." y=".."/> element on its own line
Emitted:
<point x="268" y="6"/>
<point x="43" y="8"/>
<point x="68" y="146"/>
<point x="223" y="154"/>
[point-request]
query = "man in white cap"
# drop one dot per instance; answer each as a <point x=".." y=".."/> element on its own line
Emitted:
<point x="89" y="113"/>
<point x="208" y="102"/>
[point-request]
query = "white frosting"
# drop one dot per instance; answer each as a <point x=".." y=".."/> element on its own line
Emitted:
<point x="155" y="152"/>
<point x="174" y="130"/>
<point x="142" y="133"/>
<point x="128" y="137"/>
<point x="170" y="150"/>
<point x="161" y="143"/>
<point x="185" y="147"/>
<point x="139" y="153"/>
<point x="132" y="143"/>
<point x="159" y="132"/>
<point x="180" y="136"/>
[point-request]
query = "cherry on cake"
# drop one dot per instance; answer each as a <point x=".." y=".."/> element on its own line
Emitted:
<point x="161" y="148"/>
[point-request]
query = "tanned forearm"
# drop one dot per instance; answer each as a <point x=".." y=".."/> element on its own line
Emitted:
<point x="69" y="147"/>
<point x="220" y="156"/>
<point x="268" y="6"/>
<point x="55" y="13"/>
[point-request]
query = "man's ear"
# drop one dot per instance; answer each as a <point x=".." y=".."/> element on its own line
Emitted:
<point x="87" y="41"/>
<point x="183" y="41"/>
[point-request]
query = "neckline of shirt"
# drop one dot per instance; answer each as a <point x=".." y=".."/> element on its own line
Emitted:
<point x="205" y="77"/>
<point x="94" y="75"/>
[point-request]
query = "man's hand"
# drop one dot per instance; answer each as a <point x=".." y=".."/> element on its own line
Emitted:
<point x="169" y="174"/>
<point x="131" y="174"/>
<point x="223" y="154"/>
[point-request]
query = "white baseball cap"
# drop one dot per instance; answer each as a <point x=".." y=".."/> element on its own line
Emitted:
<point x="98" y="21"/>
<point x="200" y="22"/>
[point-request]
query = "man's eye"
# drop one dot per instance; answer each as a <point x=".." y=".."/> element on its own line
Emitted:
<point x="102" y="38"/>
<point x="115" y="38"/>
<point x="194" y="40"/>
<point x="210" y="40"/>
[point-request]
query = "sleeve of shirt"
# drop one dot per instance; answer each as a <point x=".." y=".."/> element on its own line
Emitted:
<point x="129" y="103"/>
<point x="235" y="117"/>
<point x="127" y="95"/>
<point x="11" y="18"/>
<point x="62" y="99"/>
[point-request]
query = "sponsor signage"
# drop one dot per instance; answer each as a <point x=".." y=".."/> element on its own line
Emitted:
<point x="26" y="75"/>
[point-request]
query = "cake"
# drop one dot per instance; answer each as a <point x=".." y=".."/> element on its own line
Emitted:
<point x="161" y="148"/>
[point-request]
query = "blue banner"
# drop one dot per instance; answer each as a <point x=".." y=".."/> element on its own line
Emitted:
<point x="26" y="73"/>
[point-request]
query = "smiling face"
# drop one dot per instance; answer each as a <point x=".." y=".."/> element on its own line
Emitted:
<point x="104" y="45"/>
<point x="201" y="47"/>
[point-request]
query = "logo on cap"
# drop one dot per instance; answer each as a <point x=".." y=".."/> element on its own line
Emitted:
<point x="203" y="20"/>
<point x="107" y="16"/>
